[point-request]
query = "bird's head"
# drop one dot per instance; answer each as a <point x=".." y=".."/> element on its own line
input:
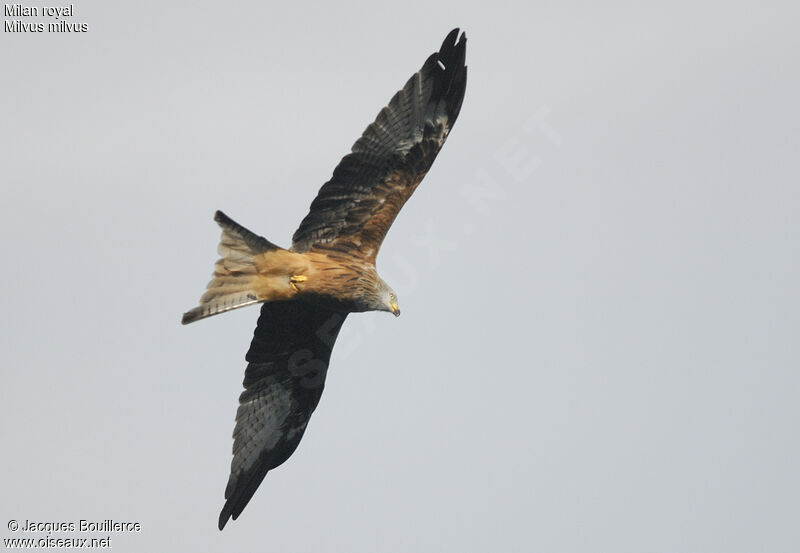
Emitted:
<point x="388" y="299"/>
<point x="393" y="304"/>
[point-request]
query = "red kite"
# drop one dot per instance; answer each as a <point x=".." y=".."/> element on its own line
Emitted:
<point x="329" y="271"/>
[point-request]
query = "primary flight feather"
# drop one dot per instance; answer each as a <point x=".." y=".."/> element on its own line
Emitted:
<point x="329" y="271"/>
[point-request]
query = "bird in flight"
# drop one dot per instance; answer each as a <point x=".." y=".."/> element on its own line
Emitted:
<point x="329" y="271"/>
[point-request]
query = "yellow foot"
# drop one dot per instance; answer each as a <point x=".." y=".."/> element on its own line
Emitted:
<point x="294" y="279"/>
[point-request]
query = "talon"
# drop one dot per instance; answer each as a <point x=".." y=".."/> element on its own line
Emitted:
<point x="294" y="279"/>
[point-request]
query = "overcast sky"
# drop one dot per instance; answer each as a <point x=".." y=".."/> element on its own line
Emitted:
<point x="599" y="277"/>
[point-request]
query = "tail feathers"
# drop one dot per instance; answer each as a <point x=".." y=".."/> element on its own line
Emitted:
<point x="235" y="272"/>
<point x="217" y="305"/>
<point x="238" y="245"/>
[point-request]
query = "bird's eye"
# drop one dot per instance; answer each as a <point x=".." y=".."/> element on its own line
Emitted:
<point x="391" y="297"/>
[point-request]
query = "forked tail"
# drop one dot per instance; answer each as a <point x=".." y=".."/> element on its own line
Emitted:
<point x="235" y="274"/>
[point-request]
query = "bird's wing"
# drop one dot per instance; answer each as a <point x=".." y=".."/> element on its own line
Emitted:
<point x="354" y="210"/>
<point x="287" y="364"/>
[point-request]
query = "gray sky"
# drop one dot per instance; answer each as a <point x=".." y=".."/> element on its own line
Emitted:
<point x="599" y="342"/>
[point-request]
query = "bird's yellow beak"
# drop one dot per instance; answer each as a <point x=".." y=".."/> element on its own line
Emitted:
<point x="395" y="308"/>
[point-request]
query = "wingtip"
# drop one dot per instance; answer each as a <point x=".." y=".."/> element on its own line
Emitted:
<point x="453" y="40"/>
<point x="229" y="512"/>
<point x="223" y="520"/>
<point x="452" y="54"/>
<point x="451" y="73"/>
